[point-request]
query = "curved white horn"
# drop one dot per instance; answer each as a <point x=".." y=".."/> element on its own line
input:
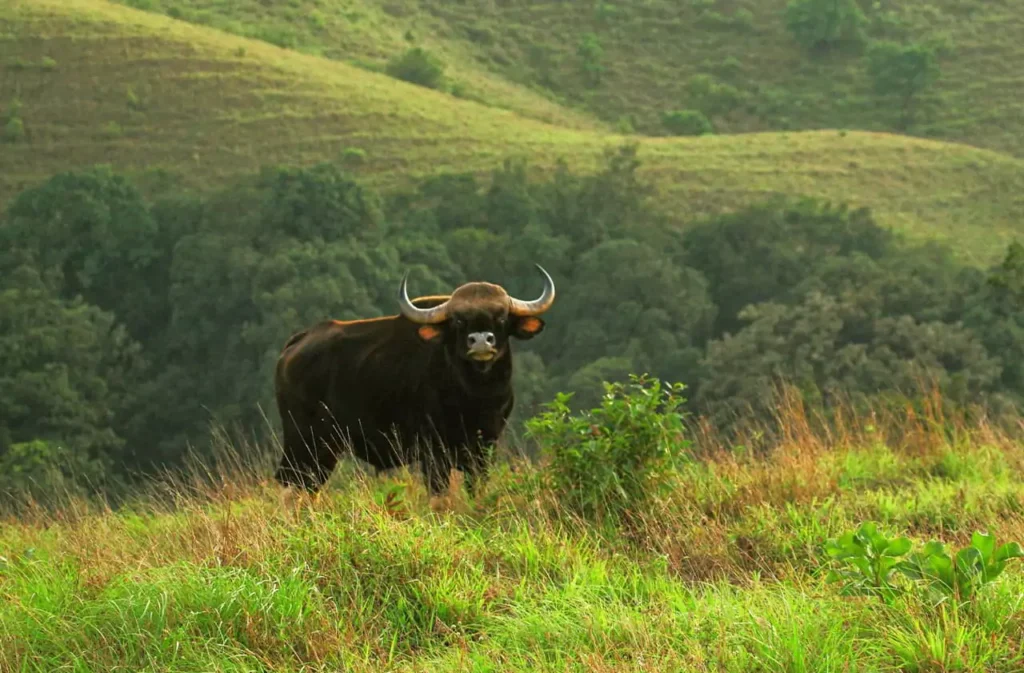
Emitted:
<point x="537" y="306"/>
<point x="422" y="316"/>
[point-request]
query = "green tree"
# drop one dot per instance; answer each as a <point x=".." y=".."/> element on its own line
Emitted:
<point x="760" y="253"/>
<point x="417" y="66"/>
<point x="66" y="369"/>
<point x="591" y="53"/>
<point x="837" y="348"/>
<point x="824" y="24"/>
<point x="902" y="72"/>
<point x="994" y="309"/>
<point x="687" y="123"/>
<point x="628" y="300"/>
<point x="95" y="230"/>
<point x="319" y="203"/>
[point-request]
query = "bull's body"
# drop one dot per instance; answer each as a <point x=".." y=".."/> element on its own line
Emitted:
<point x="400" y="389"/>
<point x="376" y="387"/>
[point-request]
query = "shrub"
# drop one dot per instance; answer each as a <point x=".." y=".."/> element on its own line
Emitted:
<point x="14" y="130"/>
<point x="613" y="458"/>
<point x="353" y="156"/>
<point x="873" y="561"/>
<point x="417" y="66"/>
<point x="590" y="52"/>
<point x="822" y="24"/>
<point x="687" y="123"/>
<point x="902" y="71"/>
<point x="712" y="96"/>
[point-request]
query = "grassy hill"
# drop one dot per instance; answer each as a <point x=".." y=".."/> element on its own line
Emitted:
<point x="726" y="573"/>
<point x="650" y="51"/>
<point x="101" y="83"/>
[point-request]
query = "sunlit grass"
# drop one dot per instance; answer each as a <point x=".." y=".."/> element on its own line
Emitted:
<point x="727" y="572"/>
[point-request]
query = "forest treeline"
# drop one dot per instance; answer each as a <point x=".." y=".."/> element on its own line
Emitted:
<point x="129" y="325"/>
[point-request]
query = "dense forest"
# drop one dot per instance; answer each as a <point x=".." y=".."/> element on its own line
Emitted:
<point x="132" y="325"/>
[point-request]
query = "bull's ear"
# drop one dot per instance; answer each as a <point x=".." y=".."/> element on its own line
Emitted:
<point x="429" y="332"/>
<point x="527" y="328"/>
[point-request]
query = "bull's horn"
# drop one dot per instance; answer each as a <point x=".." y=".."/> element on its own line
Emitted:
<point x="539" y="305"/>
<point x="423" y="316"/>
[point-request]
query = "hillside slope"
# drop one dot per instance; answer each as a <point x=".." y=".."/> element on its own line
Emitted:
<point x="650" y="50"/>
<point x="100" y="83"/>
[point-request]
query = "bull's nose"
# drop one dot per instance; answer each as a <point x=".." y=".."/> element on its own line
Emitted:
<point x="478" y="340"/>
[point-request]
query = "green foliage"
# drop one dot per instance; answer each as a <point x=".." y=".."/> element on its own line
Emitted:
<point x="741" y="257"/>
<point x="319" y="203"/>
<point x="14" y="130"/>
<point x="47" y="469"/>
<point x="418" y="66"/>
<point x="353" y="156"/>
<point x="1007" y="280"/>
<point x="66" y="373"/>
<point x="611" y="460"/>
<point x="712" y="96"/>
<point x="92" y="233"/>
<point x="591" y="55"/>
<point x="14" y="125"/>
<point x="871" y="562"/>
<point x="902" y="72"/>
<point x="824" y="24"/>
<point x="687" y="123"/>
<point x="961" y="575"/>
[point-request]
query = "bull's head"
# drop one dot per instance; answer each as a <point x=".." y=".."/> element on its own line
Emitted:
<point x="477" y="320"/>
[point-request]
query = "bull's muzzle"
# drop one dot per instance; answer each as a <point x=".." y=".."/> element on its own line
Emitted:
<point x="481" y="346"/>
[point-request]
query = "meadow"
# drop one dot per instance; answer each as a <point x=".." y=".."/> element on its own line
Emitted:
<point x="536" y="57"/>
<point x="725" y="569"/>
<point x="180" y="106"/>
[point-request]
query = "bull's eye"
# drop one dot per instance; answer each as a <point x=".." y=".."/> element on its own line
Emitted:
<point x="459" y="323"/>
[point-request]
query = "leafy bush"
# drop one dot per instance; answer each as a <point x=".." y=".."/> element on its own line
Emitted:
<point x="822" y="24"/>
<point x="353" y="156"/>
<point x="14" y="130"/>
<point x="611" y="459"/>
<point x="14" y="126"/>
<point x="902" y="72"/>
<point x="962" y="574"/>
<point x="712" y="96"/>
<point x="871" y="558"/>
<point x="417" y="66"/>
<point x="687" y="123"/>
<point x="873" y="561"/>
<point x="590" y="53"/>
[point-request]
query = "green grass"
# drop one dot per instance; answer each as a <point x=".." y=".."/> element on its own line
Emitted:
<point x="651" y="49"/>
<point x="726" y="573"/>
<point x="166" y="100"/>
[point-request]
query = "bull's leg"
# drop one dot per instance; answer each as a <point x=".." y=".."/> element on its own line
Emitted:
<point x="474" y="476"/>
<point x="306" y="463"/>
<point x="474" y="467"/>
<point x="436" y="466"/>
<point x="437" y="477"/>
<point x="475" y="459"/>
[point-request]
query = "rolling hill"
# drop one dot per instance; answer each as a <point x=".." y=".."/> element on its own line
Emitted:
<point x="103" y="83"/>
<point x="649" y="51"/>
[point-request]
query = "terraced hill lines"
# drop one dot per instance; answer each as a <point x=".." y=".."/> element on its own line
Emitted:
<point x="101" y="83"/>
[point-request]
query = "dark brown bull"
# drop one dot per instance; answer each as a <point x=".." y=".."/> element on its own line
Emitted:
<point x="432" y="384"/>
